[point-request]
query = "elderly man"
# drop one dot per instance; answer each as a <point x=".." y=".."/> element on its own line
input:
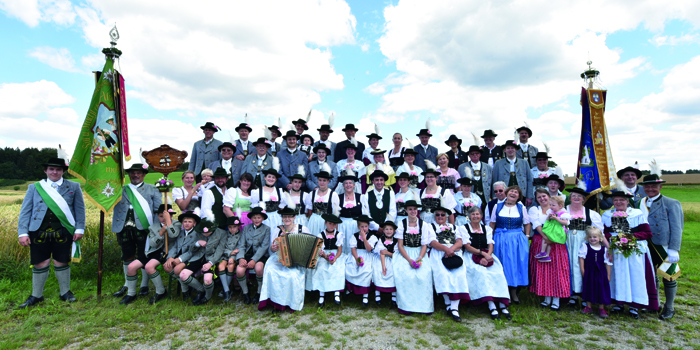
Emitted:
<point x="480" y="175"/>
<point x="499" y="192"/>
<point x="315" y="166"/>
<point x="629" y="176"/>
<point x="339" y="153"/>
<point x="514" y="171"/>
<point x="665" y="217"/>
<point x="261" y="160"/>
<point x="51" y="219"/>
<point x="228" y="163"/>
<point x="324" y="132"/>
<point x="424" y="150"/>
<point x="290" y="160"/>
<point x="526" y="151"/>
<point x="132" y="217"/>
<point x="206" y="151"/>
<point x="490" y="152"/>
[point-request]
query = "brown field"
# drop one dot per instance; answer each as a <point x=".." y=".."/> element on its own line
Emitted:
<point x="680" y="179"/>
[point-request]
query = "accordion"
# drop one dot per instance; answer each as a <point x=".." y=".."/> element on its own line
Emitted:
<point x="299" y="249"/>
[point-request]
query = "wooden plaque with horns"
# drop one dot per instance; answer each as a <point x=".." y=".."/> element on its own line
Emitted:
<point x="165" y="159"/>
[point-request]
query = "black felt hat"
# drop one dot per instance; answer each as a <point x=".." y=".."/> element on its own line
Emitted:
<point x="541" y="155"/>
<point x="652" y="179"/>
<point x="578" y="190"/>
<point x="301" y="122"/>
<point x="529" y="132"/>
<point x="257" y="211"/>
<point x="58" y="162"/>
<point x="189" y="214"/>
<point x="618" y="193"/>
<point x="488" y="133"/>
<point x="388" y="223"/>
<point x="363" y="218"/>
<point x="210" y="125"/>
<point x="287" y="211"/>
<point x="324" y="175"/>
<point x="233" y="220"/>
<point x="629" y="168"/>
<point x="271" y="171"/>
<point x="453" y="138"/>
<point x="322" y="146"/>
<point x="374" y="136"/>
<point x="555" y="177"/>
<point x="262" y="141"/>
<point x="139" y="167"/>
<point x="424" y="132"/>
<point x="220" y="172"/>
<point x="325" y="127"/>
<point x="510" y="143"/>
<point x="350" y="127"/>
<point x="464" y="181"/>
<point x="227" y="144"/>
<point x="244" y="126"/>
<point x="378" y="173"/>
<point x="412" y="203"/>
<point x="408" y="151"/>
<point x="290" y="133"/>
<point x="474" y="148"/>
<point x="331" y="218"/>
<point x="276" y="129"/>
<point x="168" y="208"/>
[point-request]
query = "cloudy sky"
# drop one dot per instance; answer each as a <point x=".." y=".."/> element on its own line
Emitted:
<point x="466" y="65"/>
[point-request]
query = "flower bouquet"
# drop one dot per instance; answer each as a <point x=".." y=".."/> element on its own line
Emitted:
<point x="360" y="261"/>
<point x="625" y="243"/>
<point x="331" y="257"/>
<point x="417" y="264"/>
<point x="542" y="176"/>
<point x="164" y="185"/>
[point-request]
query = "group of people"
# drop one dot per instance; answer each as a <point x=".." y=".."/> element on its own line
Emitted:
<point x="475" y="226"/>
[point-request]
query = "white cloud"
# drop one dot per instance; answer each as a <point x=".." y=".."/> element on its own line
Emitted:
<point x="32" y="12"/>
<point x="31" y="99"/>
<point x="671" y="40"/>
<point x="59" y="58"/>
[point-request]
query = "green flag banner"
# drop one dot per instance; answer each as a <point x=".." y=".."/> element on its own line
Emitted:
<point x="97" y="159"/>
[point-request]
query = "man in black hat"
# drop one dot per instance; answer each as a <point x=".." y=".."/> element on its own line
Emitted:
<point x="275" y="146"/>
<point x="490" y="152"/>
<point x="424" y="150"/>
<point x="228" y="163"/>
<point x="373" y="140"/>
<point x="481" y="175"/>
<point x="213" y="199"/>
<point x="629" y="175"/>
<point x="541" y="171"/>
<point x="52" y="217"/>
<point x="339" y="152"/>
<point x="665" y="216"/>
<point x="261" y="160"/>
<point x="243" y="146"/>
<point x="315" y="166"/>
<point x="380" y="202"/>
<point x="300" y="126"/>
<point x="132" y="217"/>
<point x="290" y="160"/>
<point x="455" y="156"/>
<point x="526" y="151"/>
<point x="324" y="132"/>
<point x="205" y="151"/>
<point x="514" y="171"/>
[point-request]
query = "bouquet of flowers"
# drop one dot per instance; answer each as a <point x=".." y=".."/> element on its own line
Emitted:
<point x="360" y="261"/>
<point x="331" y="257"/>
<point x="542" y="176"/>
<point x="417" y="264"/>
<point x="625" y="243"/>
<point x="164" y="185"/>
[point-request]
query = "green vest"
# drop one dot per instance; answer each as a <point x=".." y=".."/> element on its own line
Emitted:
<point x="218" y="207"/>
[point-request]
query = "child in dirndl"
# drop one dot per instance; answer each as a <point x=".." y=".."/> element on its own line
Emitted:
<point x="358" y="270"/>
<point x="329" y="274"/>
<point x="382" y="265"/>
<point x="596" y="269"/>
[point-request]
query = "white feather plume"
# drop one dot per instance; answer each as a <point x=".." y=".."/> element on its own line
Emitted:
<point x="246" y="119"/>
<point x="230" y="138"/>
<point x="209" y="215"/>
<point x="197" y="211"/>
<point x="336" y="211"/>
<point x="582" y="185"/>
<point x="376" y="129"/>
<point x="276" y="163"/>
<point x="239" y="211"/>
<point x="559" y="172"/>
<point x="546" y="147"/>
<point x="308" y="116"/>
<point x="410" y="145"/>
<point x="279" y="123"/>
<point x="516" y="137"/>
<point x="428" y="124"/>
<point x="476" y="139"/>
<point x="325" y="167"/>
<point x="526" y="124"/>
<point x="61" y="153"/>
<point x="443" y="202"/>
<point x="143" y="160"/>
<point x="348" y="171"/>
<point x="655" y="168"/>
<point x="267" y="132"/>
<point x="380" y="166"/>
<point x="331" y="120"/>
<point x="288" y="200"/>
<point x="353" y="140"/>
<point x="468" y="173"/>
<point x="301" y="171"/>
<point x="620" y="185"/>
<point x="430" y="165"/>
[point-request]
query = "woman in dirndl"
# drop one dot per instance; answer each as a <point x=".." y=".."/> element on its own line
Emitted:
<point x="322" y="200"/>
<point x="329" y="274"/>
<point x="382" y="266"/>
<point x="448" y="176"/>
<point x="581" y="219"/>
<point x="633" y="280"/>
<point x="395" y="154"/>
<point x="484" y="271"/>
<point x="549" y="277"/>
<point x="412" y="272"/>
<point x="269" y="198"/>
<point x="283" y="287"/>
<point x="433" y="196"/>
<point x="511" y="225"/>
<point x="298" y="197"/>
<point x="465" y="199"/>
<point x="404" y="194"/>
<point x="358" y="268"/>
<point x="414" y="172"/>
<point x="186" y="197"/>
<point x="350" y="207"/>
<point x="449" y="279"/>
<point x="238" y="200"/>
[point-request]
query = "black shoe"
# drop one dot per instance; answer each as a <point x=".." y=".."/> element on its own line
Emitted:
<point x="378" y="302"/>
<point x="222" y="294"/>
<point x="495" y="316"/>
<point x="555" y="309"/>
<point x="246" y="298"/>
<point x="508" y="315"/>
<point x="69" y="297"/>
<point x="121" y="292"/>
<point x="227" y="296"/>
<point x="198" y="299"/>
<point x="127" y="299"/>
<point x="634" y="315"/>
<point x="256" y="299"/>
<point x="32" y="300"/>
<point x="186" y="295"/>
<point x="544" y="305"/>
<point x="143" y="291"/>
<point x="365" y="304"/>
<point x="393" y="304"/>
<point x="157" y="297"/>
<point x="456" y="317"/>
<point x="666" y="314"/>
<point x="336" y="299"/>
<point x="322" y="304"/>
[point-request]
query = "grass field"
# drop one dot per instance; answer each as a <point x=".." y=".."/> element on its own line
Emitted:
<point x="103" y="324"/>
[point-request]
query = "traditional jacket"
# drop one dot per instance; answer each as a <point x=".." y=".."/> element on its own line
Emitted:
<point x="203" y="155"/>
<point x="33" y="210"/>
<point x="149" y="193"/>
<point x="501" y="172"/>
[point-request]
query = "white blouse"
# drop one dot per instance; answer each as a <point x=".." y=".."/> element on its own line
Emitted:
<point x="510" y="212"/>
<point x="583" y="251"/>
<point x="489" y="236"/>
<point x="428" y="235"/>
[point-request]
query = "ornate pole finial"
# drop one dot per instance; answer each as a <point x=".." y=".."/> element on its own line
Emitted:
<point x="113" y="51"/>
<point x="590" y="75"/>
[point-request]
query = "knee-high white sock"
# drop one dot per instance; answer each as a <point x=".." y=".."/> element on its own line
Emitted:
<point x="447" y="299"/>
<point x="492" y="305"/>
<point x="555" y="302"/>
<point x="454" y="305"/>
<point x="144" y="278"/>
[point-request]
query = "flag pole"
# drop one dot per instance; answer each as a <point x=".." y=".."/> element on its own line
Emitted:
<point x="99" y="255"/>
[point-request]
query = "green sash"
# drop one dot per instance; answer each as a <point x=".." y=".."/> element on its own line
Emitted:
<point x="138" y="202"/>
<point x="60" y="208"/>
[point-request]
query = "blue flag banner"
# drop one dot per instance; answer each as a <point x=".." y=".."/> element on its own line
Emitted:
<point x="595" y="164"/>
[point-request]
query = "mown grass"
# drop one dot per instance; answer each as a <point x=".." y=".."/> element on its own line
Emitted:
<point x="103" y="324"/>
